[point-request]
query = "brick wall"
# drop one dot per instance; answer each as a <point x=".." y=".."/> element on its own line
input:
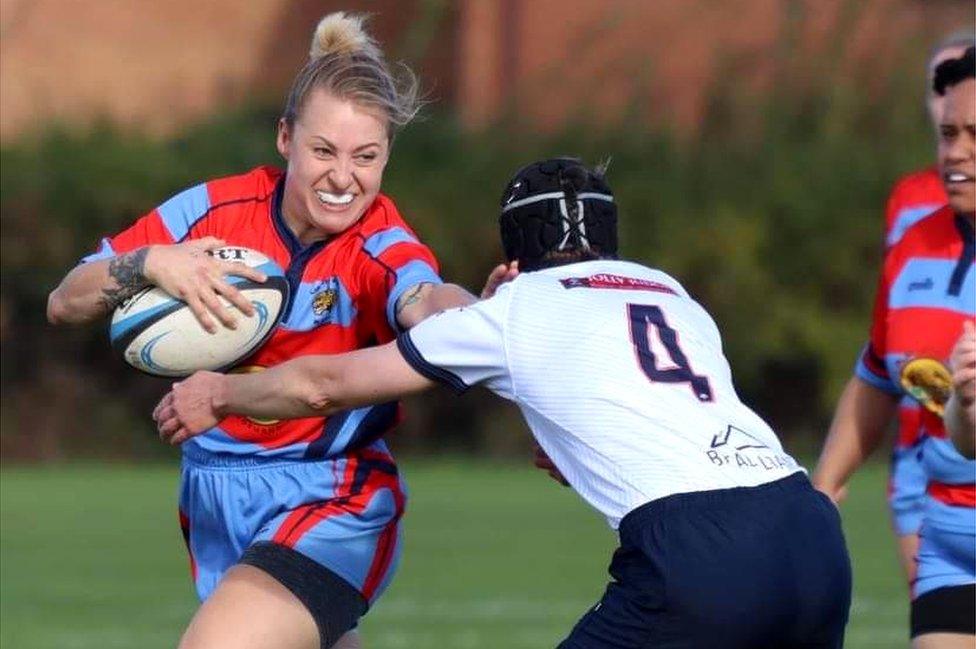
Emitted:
<point x="155" y="65"/>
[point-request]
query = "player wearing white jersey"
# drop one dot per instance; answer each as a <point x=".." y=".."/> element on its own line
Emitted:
<point x="637" y="414"/>
<point x="621" y="377"/>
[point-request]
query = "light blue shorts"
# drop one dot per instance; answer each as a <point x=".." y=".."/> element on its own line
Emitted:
<point x="342" y="512"/>
<point x="945" y="558"/>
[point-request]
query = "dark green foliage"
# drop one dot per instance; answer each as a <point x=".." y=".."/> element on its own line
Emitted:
<point x="771" y="215"/>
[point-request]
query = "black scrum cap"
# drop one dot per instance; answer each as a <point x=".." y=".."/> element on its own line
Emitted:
<point x="557" y="205"/>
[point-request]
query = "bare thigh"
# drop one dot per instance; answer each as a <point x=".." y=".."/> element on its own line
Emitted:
<point x="944" y="641"/>
<point x="252" y="610"/>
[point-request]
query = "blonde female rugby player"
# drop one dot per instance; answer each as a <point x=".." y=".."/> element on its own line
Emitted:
<point x="292" y="526"/>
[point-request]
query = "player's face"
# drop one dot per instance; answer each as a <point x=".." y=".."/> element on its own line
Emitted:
<point x="957" y="147"/>
<point x="336" y="152"/>
<point x="934" y="102"/>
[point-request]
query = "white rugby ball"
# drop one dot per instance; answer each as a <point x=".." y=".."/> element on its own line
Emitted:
<point x="158" y="334"/>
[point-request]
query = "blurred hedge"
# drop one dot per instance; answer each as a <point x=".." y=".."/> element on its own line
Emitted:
<point x="771" y="216"/>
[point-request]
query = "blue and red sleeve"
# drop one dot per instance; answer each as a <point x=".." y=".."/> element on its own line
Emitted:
<point x="871" y="367"/>
<point x="398" y="262"/>
<point x="169" y="223"/>
<point x="914" y="196"/>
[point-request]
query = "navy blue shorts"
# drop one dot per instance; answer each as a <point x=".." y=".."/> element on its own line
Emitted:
<point x="750" y="568"/>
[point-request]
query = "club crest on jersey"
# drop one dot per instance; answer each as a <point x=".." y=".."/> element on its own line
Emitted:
<point x="321" y="303"/>
<point x="927" y="381"/>
<point x="324" y="300"/>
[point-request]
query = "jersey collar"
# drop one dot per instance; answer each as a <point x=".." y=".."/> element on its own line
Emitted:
<point x="965" y="228"/>
<point x="294" y="246"/>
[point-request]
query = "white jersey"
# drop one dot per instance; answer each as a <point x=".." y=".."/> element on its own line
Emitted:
<point x="619" y="374"/>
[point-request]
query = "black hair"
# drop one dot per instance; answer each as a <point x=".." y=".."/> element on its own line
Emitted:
<point x="953" y="71"/>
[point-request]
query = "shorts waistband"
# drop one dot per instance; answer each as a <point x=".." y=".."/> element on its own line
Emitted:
<point x="193" y="454"/>
<point x="704" y="500"/>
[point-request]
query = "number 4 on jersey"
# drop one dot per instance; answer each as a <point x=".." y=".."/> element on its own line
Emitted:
<point x="642" y="316"/>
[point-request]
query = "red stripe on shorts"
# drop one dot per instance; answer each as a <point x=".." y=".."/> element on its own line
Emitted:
<point x="308" y="516"/>
<point x="305" y="517"/>
<point x="385" y="549"/>
<point x="185" y="528"/>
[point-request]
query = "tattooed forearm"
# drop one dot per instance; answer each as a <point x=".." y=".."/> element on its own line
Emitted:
<point x="412" y="296"/>
<point x="127" y="271"/>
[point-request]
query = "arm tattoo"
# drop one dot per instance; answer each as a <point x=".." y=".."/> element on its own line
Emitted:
<point x="412" y="296"/>
<point x="127" y="271"/>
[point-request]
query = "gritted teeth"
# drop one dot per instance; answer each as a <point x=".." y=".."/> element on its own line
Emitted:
<point x="334" y="199"/>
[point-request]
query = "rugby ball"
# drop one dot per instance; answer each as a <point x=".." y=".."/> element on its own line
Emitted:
<point x="158" y="333"/>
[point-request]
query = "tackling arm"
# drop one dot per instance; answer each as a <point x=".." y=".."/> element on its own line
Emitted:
<point x="313" y="385"/>
<point x="310" y="386"/>
<point x="322" y="385"/>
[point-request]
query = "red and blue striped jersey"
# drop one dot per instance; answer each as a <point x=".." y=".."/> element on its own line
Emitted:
<point x="343" y="296"/>
<point x="914" y="196"/>
<point x="926" y="290"/>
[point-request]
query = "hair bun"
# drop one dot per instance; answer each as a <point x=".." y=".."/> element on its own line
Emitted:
<point x="341" y="33"/>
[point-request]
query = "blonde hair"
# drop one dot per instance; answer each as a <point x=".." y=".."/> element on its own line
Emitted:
<point x="348" y="63"/>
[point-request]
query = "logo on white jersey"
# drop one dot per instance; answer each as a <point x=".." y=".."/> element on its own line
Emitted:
<point x="609" y="280"/>
<point x="737" y="448"/>
<point x="738" y="439"/>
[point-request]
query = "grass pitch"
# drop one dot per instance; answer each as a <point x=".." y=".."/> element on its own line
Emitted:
<point x="495" y="556"/>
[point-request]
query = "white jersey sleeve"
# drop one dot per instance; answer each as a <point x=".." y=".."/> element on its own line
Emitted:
<point x="462" y="347"/>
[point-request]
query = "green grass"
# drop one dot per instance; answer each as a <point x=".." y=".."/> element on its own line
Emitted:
<point x="495" y="556"/>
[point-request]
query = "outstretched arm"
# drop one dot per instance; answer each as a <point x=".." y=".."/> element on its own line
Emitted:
<point x="321" y="385"/>
<point x="310" y="386"/>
